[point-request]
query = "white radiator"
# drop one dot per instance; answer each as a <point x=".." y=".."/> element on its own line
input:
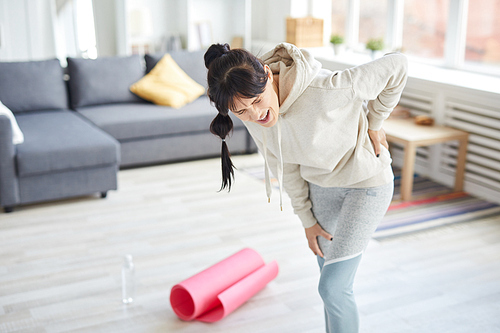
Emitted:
<point x="482" y="121"/>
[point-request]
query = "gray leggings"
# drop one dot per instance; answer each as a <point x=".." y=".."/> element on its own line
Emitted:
<point x="351" y="216"/>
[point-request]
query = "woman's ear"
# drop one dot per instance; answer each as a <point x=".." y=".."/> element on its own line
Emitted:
<point x="269" y="72"/>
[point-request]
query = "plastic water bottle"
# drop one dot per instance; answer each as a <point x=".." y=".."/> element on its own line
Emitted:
<point x="128" y="280"/>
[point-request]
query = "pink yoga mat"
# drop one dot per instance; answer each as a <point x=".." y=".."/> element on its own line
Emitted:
<point x="217" y="291"/>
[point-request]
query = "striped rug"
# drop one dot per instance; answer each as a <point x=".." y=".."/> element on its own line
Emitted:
<point x="433" y="205"/>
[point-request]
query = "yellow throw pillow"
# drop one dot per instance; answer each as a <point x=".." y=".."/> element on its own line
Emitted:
<point x="167" y="84"/>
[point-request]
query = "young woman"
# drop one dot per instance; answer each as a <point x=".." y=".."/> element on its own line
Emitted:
<point x="321" y="135"/>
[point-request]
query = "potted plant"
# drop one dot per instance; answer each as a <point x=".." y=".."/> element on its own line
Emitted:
<point x="375" y="45"/>
<point x="338" y="44"/>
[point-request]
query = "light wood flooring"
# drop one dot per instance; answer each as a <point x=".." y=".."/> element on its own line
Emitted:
<point x="60" y="262"/>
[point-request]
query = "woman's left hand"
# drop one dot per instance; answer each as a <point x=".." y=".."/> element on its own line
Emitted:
<point x="378" y="138"/>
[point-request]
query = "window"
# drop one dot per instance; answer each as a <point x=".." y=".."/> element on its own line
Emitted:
<point x="86" y="39"/>
<point x="339" y="10"/>
<point x="482" y="45"/>
<point x="372" y="20"/>
<point x="457" y="34"/>
<point x="424" y="28"/>
<point x="75" y="33"/>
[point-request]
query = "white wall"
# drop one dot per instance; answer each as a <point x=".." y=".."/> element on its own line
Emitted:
<point x="26" y="30"/>
<point x="259" y="19"/>
<point x="269" y="19"/>
<point x="180" y="17"/>
<point x="216" y="13"/>
<point x="41" y="29"/>
<point x="277" y="12"/>
<point x="225" y="17"/>
<point x="106" y="27"/>
<point x="236" y="20"/>
<point x="161" y="16"/>
<point x="269" y="23"/>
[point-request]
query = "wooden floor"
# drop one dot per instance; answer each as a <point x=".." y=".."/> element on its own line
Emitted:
<point x="60" y="263"/>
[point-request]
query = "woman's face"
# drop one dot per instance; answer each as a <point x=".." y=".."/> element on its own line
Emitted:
<point x="263" y="109"/>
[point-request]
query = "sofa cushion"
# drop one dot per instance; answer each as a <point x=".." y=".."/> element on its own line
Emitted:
<point x="33" y="85"/>
<point x="191" y="62"/>
<point x="62" y="140"/>
<point x="135" y="121"/>
<point x="167" y="84"/>
<point x="103" y="80"/>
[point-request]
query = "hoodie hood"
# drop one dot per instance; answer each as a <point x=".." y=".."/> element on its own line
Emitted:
<point x="296" y="68"/>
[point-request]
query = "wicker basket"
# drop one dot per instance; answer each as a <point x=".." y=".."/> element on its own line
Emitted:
<point x="304" y="31"/>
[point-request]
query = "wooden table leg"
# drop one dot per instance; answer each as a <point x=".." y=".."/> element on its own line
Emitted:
<point x="407" y="173"/>
<point x="460" y="169"/>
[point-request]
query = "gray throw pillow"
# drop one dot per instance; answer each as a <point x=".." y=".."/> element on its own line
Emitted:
<point x="103" y="80"/>
<point x="191" y="62"/>
<point x="33" y="85"/>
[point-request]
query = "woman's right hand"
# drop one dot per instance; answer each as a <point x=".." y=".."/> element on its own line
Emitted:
<point x="312" y="233"/>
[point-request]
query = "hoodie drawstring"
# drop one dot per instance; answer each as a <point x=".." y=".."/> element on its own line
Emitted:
<point x="269" y="189"/>
<point x="280" y="167"/>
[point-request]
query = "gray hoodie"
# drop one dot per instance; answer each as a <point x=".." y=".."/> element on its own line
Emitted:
<point x="321" y="136"/>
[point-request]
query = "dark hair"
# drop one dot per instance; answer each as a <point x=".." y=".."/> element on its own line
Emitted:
<point x="232" y="74"/>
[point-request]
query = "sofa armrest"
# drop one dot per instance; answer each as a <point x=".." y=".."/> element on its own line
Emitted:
<point x="9" y="189"/>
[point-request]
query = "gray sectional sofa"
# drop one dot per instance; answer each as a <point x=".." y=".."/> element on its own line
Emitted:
<point x="79" y="132"/>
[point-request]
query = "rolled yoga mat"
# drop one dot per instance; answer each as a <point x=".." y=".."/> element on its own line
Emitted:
<point x="217" y="291"/>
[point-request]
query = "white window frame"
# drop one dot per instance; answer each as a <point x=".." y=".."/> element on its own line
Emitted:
<point x="352" y="24"/>
<point x="395" y="16"/>
<point x="454" y="52"/>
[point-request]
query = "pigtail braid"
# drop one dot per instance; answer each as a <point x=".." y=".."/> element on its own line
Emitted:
<point x="232" y="74"/>
<point x="222" y="126"/>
